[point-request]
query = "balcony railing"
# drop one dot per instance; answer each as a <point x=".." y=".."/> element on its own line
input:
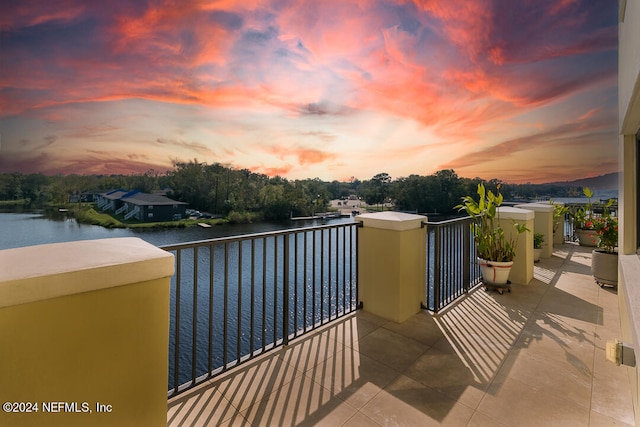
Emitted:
<point x="229" y="301"/>
<point x="452" y="267"/>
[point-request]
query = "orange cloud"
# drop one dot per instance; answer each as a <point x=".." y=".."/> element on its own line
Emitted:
<point x="305" y="156"/>
<point x="272" y="171"/>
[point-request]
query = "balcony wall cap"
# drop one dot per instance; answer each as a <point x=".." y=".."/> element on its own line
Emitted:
<point x="516" y="213"/>
<point x="37" y="273"/>
<point x="397" y="221"/>
<point x="537" y="207"/>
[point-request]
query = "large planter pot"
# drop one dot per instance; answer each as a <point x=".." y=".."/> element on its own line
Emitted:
<point x="587" y="237"/>
<point x="495" y="273"/>
<point x="537" y="252"/>
<point x="604" y="267"/>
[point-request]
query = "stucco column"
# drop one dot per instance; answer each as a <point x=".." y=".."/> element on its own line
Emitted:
<point x="542" y="223"/>
<point x="522" y="271"/>
<point x="558" y="237"/>
<point x="84" y="333"/>
<point x="392" y="264"/>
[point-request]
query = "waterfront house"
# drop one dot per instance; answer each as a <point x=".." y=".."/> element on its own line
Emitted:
<point x="111" y="200"/>
<point x="153" y="207"/>
<point x="141" y="206"/>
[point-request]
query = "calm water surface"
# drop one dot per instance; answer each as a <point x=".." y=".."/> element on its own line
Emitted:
<point x="28" y="229"/>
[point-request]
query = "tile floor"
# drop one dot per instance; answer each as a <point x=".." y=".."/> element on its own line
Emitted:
<point x="532" y="357"/>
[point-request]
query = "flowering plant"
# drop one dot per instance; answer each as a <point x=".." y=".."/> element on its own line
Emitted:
<point x="584" y="215"/>
<point x="607" y="229"/>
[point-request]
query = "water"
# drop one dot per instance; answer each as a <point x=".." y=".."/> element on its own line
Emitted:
<point x="244" y="305"/>
<point x="28" y="229"/>
<point x="598" y="195"/>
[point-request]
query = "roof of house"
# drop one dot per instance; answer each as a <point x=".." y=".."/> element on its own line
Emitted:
<point x="150" y="199"/>
<point x="116" y="194"/>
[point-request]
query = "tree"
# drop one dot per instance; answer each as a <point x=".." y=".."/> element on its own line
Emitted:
<point x="376" y="190"/>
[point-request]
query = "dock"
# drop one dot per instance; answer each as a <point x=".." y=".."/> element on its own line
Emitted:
<point x="322" y="216"/>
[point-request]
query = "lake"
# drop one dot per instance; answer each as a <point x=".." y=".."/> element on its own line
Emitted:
<point x="28" y="229"/>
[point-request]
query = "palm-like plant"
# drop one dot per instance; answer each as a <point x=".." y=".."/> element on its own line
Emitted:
<point x="490" y="238"/>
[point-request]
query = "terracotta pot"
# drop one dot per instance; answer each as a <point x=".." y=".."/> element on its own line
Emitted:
<point x="604" y="267"/>
<point x="494" y="272"/>
<point x="587" y="237"/>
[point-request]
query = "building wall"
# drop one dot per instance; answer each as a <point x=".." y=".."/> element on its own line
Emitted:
<point x="161" y="212"/>
<point x="629" y="122"/>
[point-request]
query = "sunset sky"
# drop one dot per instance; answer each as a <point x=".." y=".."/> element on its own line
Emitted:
<point x="520" y="90"/>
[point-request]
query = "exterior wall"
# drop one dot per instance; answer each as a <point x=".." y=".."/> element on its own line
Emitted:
<point x="160" y="212"/>
<point x="629" y="120"/>
<point x="89" y="328"/>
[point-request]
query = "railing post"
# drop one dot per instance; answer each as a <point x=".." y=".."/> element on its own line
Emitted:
<point x="285" y="302"/>
<point x="522" y="270"/>
<point x="466" y="257"/>
<point x="437" y="267"/>
<point x="391" y="264"/>
<point x="542" y="223"/>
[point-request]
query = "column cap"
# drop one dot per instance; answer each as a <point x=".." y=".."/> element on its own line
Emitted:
<point x="49" y="271"/>
<point x="397" y="221"/>
<point x="516" y="213"/>
<point x="537" y="207"/>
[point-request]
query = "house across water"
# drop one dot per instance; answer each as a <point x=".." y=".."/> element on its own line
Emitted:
<point x="141" y="206"/>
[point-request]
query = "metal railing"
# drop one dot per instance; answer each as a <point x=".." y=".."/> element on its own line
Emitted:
<point x="235" y="298"/>
<point x="452" y="267"/>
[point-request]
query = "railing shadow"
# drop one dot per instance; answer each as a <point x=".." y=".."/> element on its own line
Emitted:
<point x="455" y="356"/>
<point x="486" y="329"/>
<point x="299" y="384"/>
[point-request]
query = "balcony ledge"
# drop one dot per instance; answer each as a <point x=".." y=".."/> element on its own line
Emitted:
<point x="49" y="271"/>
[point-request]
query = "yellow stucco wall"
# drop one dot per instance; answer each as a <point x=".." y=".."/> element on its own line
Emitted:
<point x="522" y="270"/>
<point x="107" y="346"/>
<point x="629" y="122"/>
<point x="83" y="336"/>
<point x="542" y="223"/>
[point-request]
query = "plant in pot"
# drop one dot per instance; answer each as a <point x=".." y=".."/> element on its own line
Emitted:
<point x="538" y="240"/>
<point x="559" y="213"/>
<point x="495" y="250"/>
<point x="584" y="222"/>
<point x="604" y="260"/>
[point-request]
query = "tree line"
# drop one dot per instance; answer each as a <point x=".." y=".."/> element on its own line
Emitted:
<point x="227" y="191"/>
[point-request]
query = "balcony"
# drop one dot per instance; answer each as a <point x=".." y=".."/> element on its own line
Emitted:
<point x="534" y="356"/>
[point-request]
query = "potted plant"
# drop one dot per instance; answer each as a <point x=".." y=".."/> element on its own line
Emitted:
<point x="604" y="260"/>
<point x="584" y="224"/>
<point x="538" y="240"/>
<point x="559" y="213"/>
<point x="495" y="250"/>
